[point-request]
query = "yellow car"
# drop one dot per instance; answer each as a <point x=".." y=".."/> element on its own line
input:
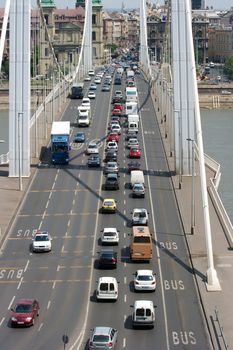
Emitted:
<point x="109" y="205"/>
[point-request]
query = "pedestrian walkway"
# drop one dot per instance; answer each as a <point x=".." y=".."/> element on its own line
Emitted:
<point x="213" y="303"/>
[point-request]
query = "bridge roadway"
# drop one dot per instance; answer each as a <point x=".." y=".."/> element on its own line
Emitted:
<point x="66" y="202"/>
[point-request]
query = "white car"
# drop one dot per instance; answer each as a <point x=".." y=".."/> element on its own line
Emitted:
<point x="110" y="235"/>
<point x="86" y="102"/>
<point x="91" y="95"/>
<point x="112" y="145"/>
<point x="144" y="280"/>
<point x="132" y="142"/>
<point x="83" y="120"/>
<point x="87" y="78"/>
<point x="97" y="80"/>
<point x="116" y="128"/>
<point x="92" y="149"/>
<point x="42" y="242"/>
<point x="139" y="217"/>
<point x="91" y="72"/>
<point x="118" y="93"/>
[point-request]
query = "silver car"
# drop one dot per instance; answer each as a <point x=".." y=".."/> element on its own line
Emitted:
<point x="111" y="167"/>
<point x="103" y="338"/>
<point x="138" y="190"/>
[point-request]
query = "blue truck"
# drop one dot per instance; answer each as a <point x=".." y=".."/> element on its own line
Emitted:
<point x="60" y="142"/>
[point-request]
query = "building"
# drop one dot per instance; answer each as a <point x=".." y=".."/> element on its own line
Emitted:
<point x="220" y="43"/>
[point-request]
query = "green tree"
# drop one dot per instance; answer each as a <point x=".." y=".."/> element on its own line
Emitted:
<point x="228" y="69"/>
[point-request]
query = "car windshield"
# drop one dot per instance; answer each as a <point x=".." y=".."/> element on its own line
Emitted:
<point x="140" y="214"/>
<point x="100" y="338"/>
<point x="23" y="308"/>
<point x="92" y="146"/>
<point x="40" y="238"/>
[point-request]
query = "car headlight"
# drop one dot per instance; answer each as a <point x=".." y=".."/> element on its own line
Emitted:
<point x="28" y="319"/>
<point x="14" y="319"/>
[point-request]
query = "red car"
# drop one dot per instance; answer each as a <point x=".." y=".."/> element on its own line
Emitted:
<point x="113" y="136"/>
<point x="116" y="112"/>
<point x="118" y="106"/>
<point x="134" y="152"/>
<point x="25" y="312"/>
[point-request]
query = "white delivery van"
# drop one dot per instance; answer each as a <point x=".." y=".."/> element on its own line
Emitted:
<point x="137" y="177"/>
<point x="107" y="288"/>
<point x="133" y="118"/>
<point x="143" y="314"/>
<point x="133" y="126"/>
<point x="131" y="107"/>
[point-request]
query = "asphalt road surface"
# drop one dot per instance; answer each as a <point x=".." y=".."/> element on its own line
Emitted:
<point x="66" y="201"/>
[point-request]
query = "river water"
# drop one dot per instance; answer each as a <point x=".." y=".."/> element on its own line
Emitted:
<point x="217" y="127"/>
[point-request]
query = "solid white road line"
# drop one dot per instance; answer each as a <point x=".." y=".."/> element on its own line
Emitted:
<point x="26" y="267"/>
<point x="12" y="300"/>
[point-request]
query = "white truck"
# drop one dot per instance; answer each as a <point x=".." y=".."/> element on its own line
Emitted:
<point x="131" y="107"/>
<point x="137" y="177"/>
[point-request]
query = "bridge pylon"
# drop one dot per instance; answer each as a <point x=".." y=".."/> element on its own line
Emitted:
<point x="19" y="88"/>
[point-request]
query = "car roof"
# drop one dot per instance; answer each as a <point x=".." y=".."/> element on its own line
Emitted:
<point x="109" y="229"/>
<point x="109" y="199"/>
<point x="107" y="279"/>
<point x="144" y="272"/>
<point x="143" y="303"/>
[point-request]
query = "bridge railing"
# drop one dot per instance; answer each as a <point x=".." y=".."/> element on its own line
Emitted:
<point x="216" y="200"/>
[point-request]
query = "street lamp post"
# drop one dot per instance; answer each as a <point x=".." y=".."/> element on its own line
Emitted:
<point x="20" y="115"/>
<point x="193" y="189"/>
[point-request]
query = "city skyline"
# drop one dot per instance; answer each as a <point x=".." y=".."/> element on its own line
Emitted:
<point x="108" y="4"/>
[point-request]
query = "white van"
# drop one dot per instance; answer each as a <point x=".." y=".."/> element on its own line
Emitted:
<point x="133" y="126"/>
<point x="133" y="118"/>
<point x="143" y="314"/>
<point x="137" y="177"/>
<point x="107" y="288"/>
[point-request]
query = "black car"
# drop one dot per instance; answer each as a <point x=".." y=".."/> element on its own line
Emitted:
<point x="134" y="165"/>
<point x="94" y="161"/>
<point x="108" y="259"/>
<point x="111" y="156"/>
<point x="111" y="182"/>
<point x="117" y="99"/>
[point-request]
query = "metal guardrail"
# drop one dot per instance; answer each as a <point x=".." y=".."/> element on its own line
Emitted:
<point x="220" y="334"/>
<point x="216" y="200"/>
